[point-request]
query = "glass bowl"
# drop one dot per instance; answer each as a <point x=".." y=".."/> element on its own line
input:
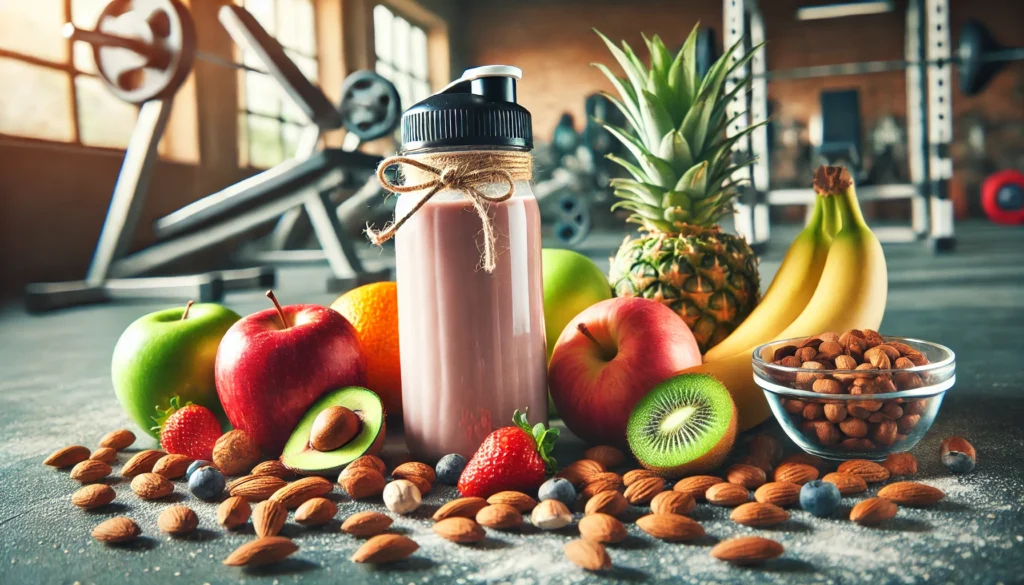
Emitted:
<point x="864" y="413"/>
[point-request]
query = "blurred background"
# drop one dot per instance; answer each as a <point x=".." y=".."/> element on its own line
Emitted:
<point x="238" y="110"/>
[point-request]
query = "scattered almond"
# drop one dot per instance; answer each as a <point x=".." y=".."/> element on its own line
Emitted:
<point x="420" y="482"/>
<point x="579" y="471"/>
<point x="697" y="486"/>
<point x="461" y="508"/>
<point x="911" y="493"/>
<point x="291" y="496"/>
<point x="673" y="503"/>
<point x="872" y="511"/>
<point x="90" y="471"/>
<point x="116" y="530"/>
<point x="758" y="514"/>
<point x="778" y="493"/>
<point x="747" y="476"/>
<point x="600" y="482"/>
<point x="670" y="527"/>
<point x="67" y="456"/>
<point x="460" y="530"/>
<point x="551" y="515"/>
<point x="499" y="517"/>
<point x="273" y="467"/>
<point x="747" y="550"/>
<point x="869" y="471"/>
<point x="610" y="502"/>
<point x="177" y="520"/>
<point x="141" y="462"/>
<point x="643" y="491"/>
<point x="316" y="512"/>
<point x="517" y="500"/>
<point x="847" y="483"/>
<point x="956" y="454"/>
<point x="765" y="447"/>
<point x="414" y="468"/>
<point x="366" y="524"/>
<point x="371" y="461"/>
<point x="602" y="528"/>
<point x="256" y="488"/>
<point x="233" y="512"/>
<point x="900" y="464"/>
<point x="798" y="473"/>
<point x="606" y="455"/>
<point x="631" y="477"/>
<point x="727" y="494"/>
<point x="235" y="452"/>
<point x="118" y="440"/>
<point x="268" y="517"/>
<point x="172" y="466"/>
<point x="588" y="555"/>
<point x="150" y="486"/>
<point x="362" y="483"/>
<point x="93" y="496"/>
<point x="262" y="551"/>
<point x="333" y="427"/>
<point x="105" y="454"/>
<point x="385" y="548"/>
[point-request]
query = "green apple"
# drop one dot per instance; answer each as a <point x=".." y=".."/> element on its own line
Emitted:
<point x="166" y="354"/>
<point x="572" y="283"/>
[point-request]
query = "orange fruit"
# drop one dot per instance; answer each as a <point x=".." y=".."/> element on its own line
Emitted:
<point x="373" y="311"/>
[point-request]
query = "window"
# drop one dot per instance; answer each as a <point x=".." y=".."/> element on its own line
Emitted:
<point x="51" y="90"/>
<point x="401" y="51"/>
<point x="269" y="123"/>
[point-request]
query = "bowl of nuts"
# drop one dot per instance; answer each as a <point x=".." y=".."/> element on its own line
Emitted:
<point x="855" y="395"/>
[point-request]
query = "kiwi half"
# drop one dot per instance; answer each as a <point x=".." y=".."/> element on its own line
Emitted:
<point x="685" y="425"/>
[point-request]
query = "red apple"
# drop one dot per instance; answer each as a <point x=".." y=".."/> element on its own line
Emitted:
<point x="608" y="357"/>
<point x="273" y="365"/>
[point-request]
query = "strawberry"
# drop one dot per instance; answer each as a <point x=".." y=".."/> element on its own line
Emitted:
<point x="188" y="430"/>
<point x="511" y="458"/>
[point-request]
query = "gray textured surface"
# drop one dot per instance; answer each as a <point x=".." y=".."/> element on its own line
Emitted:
<point x="55" y="390"/>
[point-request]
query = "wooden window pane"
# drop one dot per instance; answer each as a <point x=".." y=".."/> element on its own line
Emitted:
<point x="292" y="113"/>
<point x="243" y="139"/>
<point x="382" y="22"/>
<point x="85" y="14"/>
<point x="103" y="120"/>
<point x="265" y="149"/>
<point x="290" y="136"/>
<point x="385" y="71"/>
<point x="403" y="83"/>
<point x="263" y="11"/>
<point x="262" y="94"/>
<point x="400" y="60"/>
<point x="421" y="89"/>
<point x="32" y="27"/>
<point x="35" y="101"/>
<point x="249" y="59"/>
<point x="418" y="47"/>
<point x="309" y="67"/>
<point x="296" y="27"/>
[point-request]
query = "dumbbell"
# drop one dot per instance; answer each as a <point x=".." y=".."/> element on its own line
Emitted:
<point x="370" y="107"/>
<point x="1002" y="197"/>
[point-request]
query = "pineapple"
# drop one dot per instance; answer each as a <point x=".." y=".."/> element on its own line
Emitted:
<point x="681" y="186"/>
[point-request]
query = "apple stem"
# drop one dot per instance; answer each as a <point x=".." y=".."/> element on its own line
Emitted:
<point x="188" y="308"/>
<point x="586" y="333"/>
<point x="277" y="305"/>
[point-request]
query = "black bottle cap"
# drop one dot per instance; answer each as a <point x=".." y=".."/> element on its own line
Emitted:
<point x="478" y="109"/>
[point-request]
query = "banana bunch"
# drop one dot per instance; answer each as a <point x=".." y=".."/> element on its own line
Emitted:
<point x="833" y="278"/>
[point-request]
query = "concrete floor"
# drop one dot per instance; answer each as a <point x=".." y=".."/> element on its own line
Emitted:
<point x="55" y="390"/>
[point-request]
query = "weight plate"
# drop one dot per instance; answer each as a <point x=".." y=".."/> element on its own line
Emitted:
<point x="573" y="223"/>
<point x="163" y="24"/>
<point x="370" y="106"/>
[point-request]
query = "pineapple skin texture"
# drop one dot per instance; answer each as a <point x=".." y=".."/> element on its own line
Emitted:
<point x="708" y="278"/>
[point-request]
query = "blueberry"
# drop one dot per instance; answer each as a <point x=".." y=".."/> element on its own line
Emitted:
<point x="206" y="483"/>
<point x="820" y="498"/>
<point x="958" y="462"/>
<point x="449" y="468"/>
<point x="196" y="465"/>
<point x="559" y="489"/>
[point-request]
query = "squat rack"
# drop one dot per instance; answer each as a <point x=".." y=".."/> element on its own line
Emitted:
<point x="929" y="94"/>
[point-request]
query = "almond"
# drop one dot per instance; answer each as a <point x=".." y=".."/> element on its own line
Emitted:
<point x="900" y="464"/>
<point x="600" y="482"/>
<point x="911" y="493"/>
<point x="835" y="413"/>
<point x="366" y="524"/>
<point x="460" y="530"/>
<point x="262" y="551"/>
<point x="371" y="461"/>
<point x="747" y="476"/>
<point x="673" y="503"/>
<point x="118" y="440"/>
<point x="333" y="427"/>
<point x="847" y="483"/>
<point x="67" y="456"/>
<point x="854" y="427"/>
<point x="116" y="530"/>
<point x="778" y="493"/>
<point x="90" y="471"/>
<point x="385" y="548"/>
<point x="517" y="500"/>
<point x="759" y="461"/>
<point x="869" y="471"/>
<point x="602" y="528"/>
<point x="150" y="486"/>
<point x="551" y="515"/>
<point x="610" y="502"/>
<point x="765" y="447"/>
<point x="758" y="514"/>
<point x="420" y="482"/>
<point x="461" y="508"/>
<point x="233" y="512"/>
<point x="235" y="452"/>
<point x="499" y="517"/>
<point x="294" y="494"/>
<point x="697" y="486"/>
<point x="580" y="471"/>
<point x="606" y="455"/>
<point x="644" y="490"/>
<point x="177" y="520"/>
<point x="747" y="550"/>
<point x="256" y="488"/>
<point x="274" y="468"/>
<point x="93" y="496"/>
<point x="798" y="473"/>
<point x="172" y="466"/>
<point x="588" y="555"/>
<point x="727" y="494"/>
<point x="362" y="483"/>
<point x="414" y="468"/>
<point x="957" y="445"/>
<point x="316" y="512"/>
<point x="104" y="454"/>
<point x="670" y="527"/>
<point x="141" y="462"/>
<point x="872" y="511"/>
<point x="268" y="518"/>
<point x="631" y="477"/>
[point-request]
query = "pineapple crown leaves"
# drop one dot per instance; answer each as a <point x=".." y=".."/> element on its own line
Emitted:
<point x="676" y="134"/>
<point x="544" y="437"/>
<point x="173" y="405"/>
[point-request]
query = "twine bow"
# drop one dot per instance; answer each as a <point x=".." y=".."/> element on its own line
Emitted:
<point x="461" y="177"/>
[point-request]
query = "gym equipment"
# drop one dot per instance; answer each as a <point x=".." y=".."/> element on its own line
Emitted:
<point x="840" y="129"/>
<point x="1002" y="197"/>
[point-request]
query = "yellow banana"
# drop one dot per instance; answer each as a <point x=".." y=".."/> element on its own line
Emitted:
<point x="791" y="289"/>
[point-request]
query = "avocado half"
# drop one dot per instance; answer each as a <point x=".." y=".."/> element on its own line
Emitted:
<point x="301" y="458"/>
